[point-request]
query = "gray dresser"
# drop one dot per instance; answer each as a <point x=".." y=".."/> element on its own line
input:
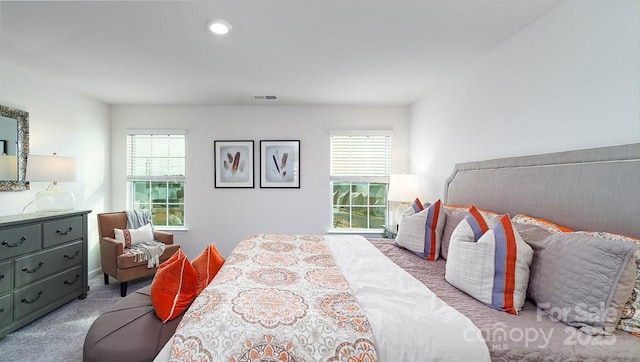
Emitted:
<point x="43" y="265"/>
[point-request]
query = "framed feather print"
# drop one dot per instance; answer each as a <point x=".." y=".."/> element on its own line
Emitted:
<point x="233" y="164"/>
<point x="280" y="164"/>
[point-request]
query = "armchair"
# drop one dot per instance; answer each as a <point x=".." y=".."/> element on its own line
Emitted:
<point x="116" y="260"/>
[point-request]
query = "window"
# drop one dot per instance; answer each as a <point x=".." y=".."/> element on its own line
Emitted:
<point x="156" y="174"/>
<point x="360" y="170"/>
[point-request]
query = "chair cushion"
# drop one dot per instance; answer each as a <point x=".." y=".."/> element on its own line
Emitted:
<point x="128" y="331"/>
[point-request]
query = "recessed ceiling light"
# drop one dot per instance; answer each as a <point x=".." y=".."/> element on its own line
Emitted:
<point x="219" y="27"/>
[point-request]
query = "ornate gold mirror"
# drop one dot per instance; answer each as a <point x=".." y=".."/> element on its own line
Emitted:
<point x="14" y="148"/>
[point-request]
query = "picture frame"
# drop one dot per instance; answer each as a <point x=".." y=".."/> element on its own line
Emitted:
<point x="280" y="164"/>
<point x="233" y="164"/>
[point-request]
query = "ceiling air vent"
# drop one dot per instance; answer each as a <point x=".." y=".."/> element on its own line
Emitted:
<point x="264" y="97"/>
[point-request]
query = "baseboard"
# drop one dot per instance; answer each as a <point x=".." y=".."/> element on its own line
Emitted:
<point x="95" y="272"/>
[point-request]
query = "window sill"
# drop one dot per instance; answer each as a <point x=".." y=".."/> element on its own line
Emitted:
<point x="173" y="229"/>
<point x="376" y="232"/>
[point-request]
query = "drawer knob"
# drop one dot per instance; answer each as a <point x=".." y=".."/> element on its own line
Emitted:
<point x="26" y="301"/>
<point x="1" y="276"/>
<point x="72" y="256"/>
<point x="65" y="232"/>
<point x="73" y="282"/>
<point x="1" y="310"/>
<point x="22" y="240"/>
<point x="26" y="270"/>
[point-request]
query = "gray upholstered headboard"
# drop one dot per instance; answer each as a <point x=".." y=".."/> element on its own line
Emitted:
<point x="593" y="189"/>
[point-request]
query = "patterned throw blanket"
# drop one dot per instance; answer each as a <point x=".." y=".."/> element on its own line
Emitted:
<point x="277" y="297"/>
<point x="138" y="218"/>
<point x="149" y="251"/>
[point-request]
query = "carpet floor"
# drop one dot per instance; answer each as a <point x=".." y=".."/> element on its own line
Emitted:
<point x="59" y="335"/>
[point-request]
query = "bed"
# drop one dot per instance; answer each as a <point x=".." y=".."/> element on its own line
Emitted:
<point x="335" y="298"/>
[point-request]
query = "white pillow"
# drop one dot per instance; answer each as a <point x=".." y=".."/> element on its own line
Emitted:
<point x="134" y="236"/>
<point x="421" y="233"/>
<point x="495" y="268"/>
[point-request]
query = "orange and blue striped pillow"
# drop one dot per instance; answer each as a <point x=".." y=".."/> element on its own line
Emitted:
<point x="421" y="233"/>
<point x="417" y="205"/>
<point x="499" y="258"/>
<point x="506" y="257"/>
<point x="433" y="232"/>
<point x="477" y="222"/>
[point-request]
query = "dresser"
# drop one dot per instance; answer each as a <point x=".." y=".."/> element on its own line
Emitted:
<point x="43" y="265"/>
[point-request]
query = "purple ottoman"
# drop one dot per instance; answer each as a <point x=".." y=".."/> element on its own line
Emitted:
<point x="128" y="331"/>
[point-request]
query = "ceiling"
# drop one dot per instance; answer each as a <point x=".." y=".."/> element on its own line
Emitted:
<point x="363" y="52"/>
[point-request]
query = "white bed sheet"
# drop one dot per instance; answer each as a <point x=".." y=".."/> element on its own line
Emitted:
<point x="409" y="322"/>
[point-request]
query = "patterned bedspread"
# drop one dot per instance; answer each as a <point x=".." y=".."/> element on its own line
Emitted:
<point x="277" y="297"/>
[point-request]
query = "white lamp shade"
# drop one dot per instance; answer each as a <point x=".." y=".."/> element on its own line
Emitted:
<point x="51" y="168"/>
<point x="8" y="168"/>
<point x="403" y="187"/>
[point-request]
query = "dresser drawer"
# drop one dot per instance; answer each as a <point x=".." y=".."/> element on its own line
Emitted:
<point x="19" y="240"/>
<point x="47" y="262"/>
<point x="61" y="231"/>
<point x="5" y="310"/>
<point x="38" y="295"/>
<point x="6" y="276"/>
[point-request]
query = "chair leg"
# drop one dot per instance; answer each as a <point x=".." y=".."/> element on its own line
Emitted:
<point x="123" y="289"/>
<point x="106" y="279"/>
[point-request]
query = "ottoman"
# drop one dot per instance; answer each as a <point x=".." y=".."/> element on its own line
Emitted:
<point x="128" y="331"/>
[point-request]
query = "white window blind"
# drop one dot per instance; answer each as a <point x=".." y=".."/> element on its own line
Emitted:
<point x="156" y="156"/>
<point x="367" y="156"/>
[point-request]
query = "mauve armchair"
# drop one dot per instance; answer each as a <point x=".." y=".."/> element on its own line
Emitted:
<point x="116" y="260"/>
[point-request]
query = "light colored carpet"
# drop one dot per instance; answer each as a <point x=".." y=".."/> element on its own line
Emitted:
<point x="59" y="335"/>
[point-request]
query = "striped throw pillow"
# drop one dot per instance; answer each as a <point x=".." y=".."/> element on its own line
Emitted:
<point x="477" y="223"/>
<point x="421" y="233"/>
<point x="495" y="268"/>
<point x="454" y="215"/>
<point x="416" y="205"/>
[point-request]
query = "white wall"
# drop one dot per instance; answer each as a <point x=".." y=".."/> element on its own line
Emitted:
<point x="225" y="216"/>
<point x="71" y="124"/>
<point x="568" y="81"/>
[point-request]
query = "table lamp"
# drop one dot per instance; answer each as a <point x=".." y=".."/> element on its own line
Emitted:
<point x="403" y="188"/>
<point x="52" y="169"/>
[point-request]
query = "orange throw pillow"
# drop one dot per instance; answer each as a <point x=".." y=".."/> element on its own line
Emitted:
<point x="207" y="265"/>
<point x="173" y="288"/>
